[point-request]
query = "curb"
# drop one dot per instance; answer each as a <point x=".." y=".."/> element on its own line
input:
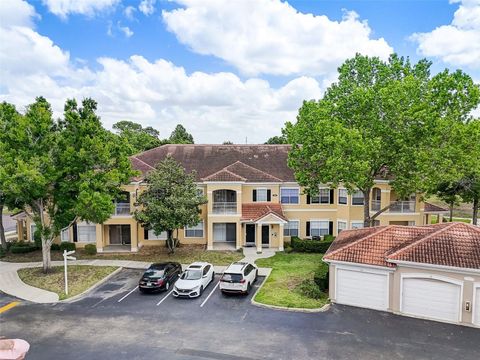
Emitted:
<point x="94" y="286"/>
<point x="283" y="308"/>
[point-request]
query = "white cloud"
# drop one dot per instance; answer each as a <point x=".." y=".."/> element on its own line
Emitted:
<point x="271" y="37"/>
<point x="130" y="13"/>
<point x="213" y="106"/>
<point x="458" y="43"/>
<point x="126" y="31"/>
<point x="63" y="8"/>
<point x="16" y="13"/>
<point x="147" y="7"/>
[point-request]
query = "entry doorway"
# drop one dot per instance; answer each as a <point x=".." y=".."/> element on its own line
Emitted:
<point x="265" y="235"/>
<point x="250" y="235"/>
<point x="119" y="234"/>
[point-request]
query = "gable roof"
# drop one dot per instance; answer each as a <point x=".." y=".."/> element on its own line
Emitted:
<point x="224" y="175"/>
<point x="447" y="244"/>
<point x="431" y="208"/>
<point x="255" y="163"/>
<point x="253" y="212"/>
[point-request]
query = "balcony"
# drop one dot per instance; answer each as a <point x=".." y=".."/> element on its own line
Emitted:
<point x="224" y="208"/>
<point x="402" y="207"/>
<point x="122" y="209"/>
<point x="376" y="205"/>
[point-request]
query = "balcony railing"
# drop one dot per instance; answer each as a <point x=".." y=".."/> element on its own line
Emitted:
<point x="224" y="208"/>
<point x="375" y="205"/>
<point x="402" y="206"/>
<point x="122" y="209"/>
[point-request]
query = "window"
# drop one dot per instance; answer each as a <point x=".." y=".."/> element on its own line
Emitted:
<point x="151" y="235"/>
<point x="33" y="228"/>
<point x="206" y="269"/>
<point x="289" y="196"/>
<point x="319" y="228"/>
<point x="194" y="231"/>
<point x="411" y="223"/>
<point x="342" y="196"/>
<point x="341" y="225"/>
<point x="224" y="232"/>
<point x="86" y="232"/>
<point x="357" y="198"/>
<point x="260" y="195"/>
<point x="357" y="224"/>
<point x="65" y="235"/>
<point x="291" y="228"/>
<point x="323" y="197"/>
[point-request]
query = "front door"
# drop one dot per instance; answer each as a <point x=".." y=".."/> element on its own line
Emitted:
<point x="266" y="235"/>
<point x="119" y="234"/>
<point x="250" y="235"/>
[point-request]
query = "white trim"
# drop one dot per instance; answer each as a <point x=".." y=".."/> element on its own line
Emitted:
<point x="434" y="277"/>
<point x="343" y="221"/>
<point x="357" y="221"/>
<point x="317" y="210"/>
<point x="381" y="181"/>
<point x="476" y="287"/>
<point x="353" y="265"/>
<point x="224" y="215"/>
<point x="369" y="269"/>
<point x="226" y="183"/>
<point x="256" y="194"/>
<point x="385" y="190"/>
<point x="398" y="214"/>
<point x="411" y="264"/>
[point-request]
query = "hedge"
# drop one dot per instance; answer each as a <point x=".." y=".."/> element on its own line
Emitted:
<point x="310" y="246"/>
<point x="69" y="246"/>
<point x="55" y="247"/>
<point x="320" y="277"/>
<point x="91" y="249"/>
<point x="22" y="249"/>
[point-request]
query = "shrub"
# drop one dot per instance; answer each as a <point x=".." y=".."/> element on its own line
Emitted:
<point x="37" y="238"/>
<point x="328" y="237"/>
<point x="311" y="246"/>
<point x="55" y="247"/>
<point x="3" y="252"/>
<point x="91" y="249"/>
<point x="320" y="277"/>
<point x="309" y="288"/>
<point x="22" y="249"/>
<point x="65" y="245"/>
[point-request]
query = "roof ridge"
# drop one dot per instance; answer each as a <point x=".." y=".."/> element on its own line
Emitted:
<point x="254" y="168"/>
<point x="469" y="226"/>
<point x="388" y="227"/>
<point x="136" y="158"/>
<point x="415" y="243"/>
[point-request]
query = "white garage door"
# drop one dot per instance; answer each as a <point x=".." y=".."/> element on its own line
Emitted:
<point x="431" y="298"/>
<point x="476" y="310"/>
<point x="362" y="288"/>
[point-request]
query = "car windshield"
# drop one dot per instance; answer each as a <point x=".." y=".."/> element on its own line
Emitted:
<point x="191" y="275"/>
<point x="232" y="277"/>
<point x="153" y="273"/>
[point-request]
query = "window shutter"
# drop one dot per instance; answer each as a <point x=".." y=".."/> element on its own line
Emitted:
<point x="254" y="195"/>
<point x="145" y="233"/>
<point x="269" y="195"/>
<point x="332" y="196"/>
<point x="308" y="228"/>
<point x="75" y="233"/>
<point x="308" y="199"/>
<point x="330" y="228"/>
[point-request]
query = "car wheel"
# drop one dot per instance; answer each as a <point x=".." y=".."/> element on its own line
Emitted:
<point x="256" y="276"/>
<point x="213" y="277"/>
<point x="201" y="291"/>
<point x="167" y="285"/>
<point x="249" y="287"/>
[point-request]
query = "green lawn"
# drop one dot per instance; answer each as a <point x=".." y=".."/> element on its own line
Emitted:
<point x="465" y="220"/>
<point x="80" y="278"/>
<point x="282" y="288"/>
<point x="183" y="255"/>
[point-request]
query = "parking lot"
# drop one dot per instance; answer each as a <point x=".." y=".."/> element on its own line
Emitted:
<point x="116" y="321"/>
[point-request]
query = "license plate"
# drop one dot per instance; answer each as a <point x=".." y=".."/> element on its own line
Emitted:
<point x="149" y="284"/>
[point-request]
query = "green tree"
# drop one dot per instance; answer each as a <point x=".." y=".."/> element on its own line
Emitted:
<point x="67" y="169"/>
<point x="137" y="137"/>
<point x="171" y="200"/>
<point x="180" y="136"/>
<point x="227" y="142"/>
<point x="450" y="193"/>
<point x="282" y="139"/>
<point x="380" y="119"/>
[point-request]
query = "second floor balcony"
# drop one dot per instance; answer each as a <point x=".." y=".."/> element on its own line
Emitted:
<point x="402" y="207"/>
<point x="224" y="202"/>
<point x="122" y="209"/>
<point x="224" y="208"/>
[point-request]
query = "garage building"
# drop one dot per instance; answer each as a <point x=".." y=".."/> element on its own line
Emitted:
<point x="430" y="271"/>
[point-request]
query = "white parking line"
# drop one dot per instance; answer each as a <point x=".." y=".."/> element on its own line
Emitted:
<point x="136" y="287"/>
<point x="211" y="292"/>
<point x="164" y="298"/>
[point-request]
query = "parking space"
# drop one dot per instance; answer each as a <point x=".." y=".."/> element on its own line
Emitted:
<point x="121" y="294"/>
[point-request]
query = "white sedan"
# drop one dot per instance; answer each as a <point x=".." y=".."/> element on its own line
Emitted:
<point x="194" y="280"/>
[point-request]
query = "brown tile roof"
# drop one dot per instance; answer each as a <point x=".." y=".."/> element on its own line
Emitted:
<point x="224" y="175"/>
<point x="434" y="208"/>
<point x="448" y="244"/>
<point x="257" y="163"/>
<point x="255" y="211"/>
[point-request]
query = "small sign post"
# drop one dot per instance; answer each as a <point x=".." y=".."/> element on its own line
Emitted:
<point x="66" y="256"/>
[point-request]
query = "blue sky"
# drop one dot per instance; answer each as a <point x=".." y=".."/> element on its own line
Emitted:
<point x="227" y="70"/>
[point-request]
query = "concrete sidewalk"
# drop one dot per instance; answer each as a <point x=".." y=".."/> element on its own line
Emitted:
<point x="10" y="282"/>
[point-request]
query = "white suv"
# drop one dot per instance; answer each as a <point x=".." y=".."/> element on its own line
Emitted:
<point x="238" y="278"/>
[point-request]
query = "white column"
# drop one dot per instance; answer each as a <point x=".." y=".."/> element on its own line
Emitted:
<point x="258" y="237"/>
<point x="280" y="237"/>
